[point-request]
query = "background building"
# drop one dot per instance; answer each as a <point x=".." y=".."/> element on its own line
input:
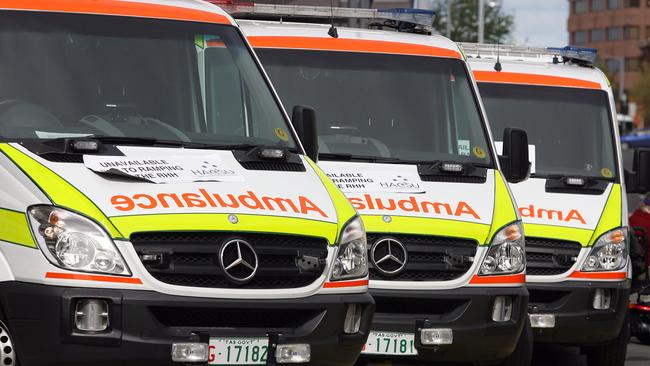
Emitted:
<point x="618" y="28"/>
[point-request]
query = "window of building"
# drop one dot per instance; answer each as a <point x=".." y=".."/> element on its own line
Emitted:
<point x="612" y="65"/>
<point x="613" y="4"/>
<point x="631" y="32"/>
<point x="581" y="6"/>
<point x="613" y="33"/>
<point x="632" y="64"/>
<point x="580" y="37"/>
<point x="597" y="35"/>
<point x="632" y="3"/>
<point x="597" y="5"/>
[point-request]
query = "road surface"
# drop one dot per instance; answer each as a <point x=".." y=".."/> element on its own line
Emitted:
<point x="548" y="355"/>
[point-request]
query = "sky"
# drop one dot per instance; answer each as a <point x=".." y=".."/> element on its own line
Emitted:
<point x="540" y="23"/>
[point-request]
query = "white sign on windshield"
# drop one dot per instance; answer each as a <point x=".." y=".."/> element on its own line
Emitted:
<point x="352" y="180"/>
<point x="168" y="169"/>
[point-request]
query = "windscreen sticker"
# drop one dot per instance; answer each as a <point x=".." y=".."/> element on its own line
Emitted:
<point x="531" y="154"/>
<point x="282" y="134"/>
<point x="605" y="172"/>
<point x="479" y="152"/>
<point x="463" y="147"/>
<point x="350" y="180"/>
<point x="169" y="169"/>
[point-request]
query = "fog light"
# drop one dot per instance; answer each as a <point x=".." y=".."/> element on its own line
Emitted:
<point x="502" y="310"/>
<point x="542" y="320"/>
<point x="436" y="337"/>
<point x="91" y="315"/>
<point x="189" y="352"/>
<point x="602" y="299"/>
<point x="352" y="319"/>
<point x="292" y="353"/>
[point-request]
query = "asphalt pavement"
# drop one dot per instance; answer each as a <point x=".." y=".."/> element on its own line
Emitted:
<point x="550" y="355"/>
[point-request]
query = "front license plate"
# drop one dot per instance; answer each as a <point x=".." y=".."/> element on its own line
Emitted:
<point x="238" y="351"/>
<point x="390" y="343"/>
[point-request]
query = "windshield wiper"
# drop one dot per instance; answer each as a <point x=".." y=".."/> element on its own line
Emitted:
<point x="367" y="158"/>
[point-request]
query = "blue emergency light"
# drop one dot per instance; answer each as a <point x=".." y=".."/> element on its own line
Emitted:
<point x="421" y="17"/>
<point x="576" y="54"/>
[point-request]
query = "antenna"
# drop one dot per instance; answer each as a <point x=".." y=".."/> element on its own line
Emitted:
<point x="497" y="66"/>
<point x="332" y="32"/>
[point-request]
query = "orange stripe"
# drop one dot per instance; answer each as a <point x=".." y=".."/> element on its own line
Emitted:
<point x="599" y="275"/>
<point x="351" y="45"/>
<point x="496" y="280"/>
<point x="533" y="79"/>
<point x="114" y="7"/>
<point x="89" y="277"/>
<point x="345" y="284"/>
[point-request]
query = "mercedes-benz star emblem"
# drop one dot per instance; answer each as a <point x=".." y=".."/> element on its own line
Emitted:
<point x="389" y="256"/>
<point x="238" y="261"/>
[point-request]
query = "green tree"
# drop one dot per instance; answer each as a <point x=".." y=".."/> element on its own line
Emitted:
<point x="464" y="21"/>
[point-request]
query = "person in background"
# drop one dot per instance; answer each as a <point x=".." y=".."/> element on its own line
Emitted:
<point x="640" y="226"/>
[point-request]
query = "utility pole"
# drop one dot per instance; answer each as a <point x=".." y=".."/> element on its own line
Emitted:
<point x="449" y="19"/>
<point x="481" y="21"/>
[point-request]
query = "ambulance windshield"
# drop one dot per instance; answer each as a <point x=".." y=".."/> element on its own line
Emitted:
<point x="66" y="75"/>
<point x="570" y="128"/>
<point x="390" y="108"/>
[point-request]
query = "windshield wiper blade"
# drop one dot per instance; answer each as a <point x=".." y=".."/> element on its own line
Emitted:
<point x="131" y="140"/>
<point x="355" y="157"/>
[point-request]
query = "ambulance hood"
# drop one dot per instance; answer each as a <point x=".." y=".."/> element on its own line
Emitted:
<point x="537" y="206"/>
<point x="224" y="185"/>
<point x="398" y="190"/>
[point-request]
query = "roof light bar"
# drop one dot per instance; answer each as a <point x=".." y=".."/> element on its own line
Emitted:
<point x="415" y="16"/>
<point x="582" y="55"/>
<point x="573" y="53"/>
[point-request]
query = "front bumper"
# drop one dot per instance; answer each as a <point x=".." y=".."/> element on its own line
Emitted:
<point x="576" y="321"/>
<point x="467" y="311"/>
<point x="144" y="324"/>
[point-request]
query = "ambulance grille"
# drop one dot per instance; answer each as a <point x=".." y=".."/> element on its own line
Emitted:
<point x="274" y="166"/>
<point x="62" y="157"/>
<point x="550" y="257"/>
<point x="191" y="258"/>
<point x="430" y="258"/>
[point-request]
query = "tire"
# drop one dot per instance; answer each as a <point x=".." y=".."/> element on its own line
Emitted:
<point x="644" y="338"/>
<point x="612" y="353"/>
<point x="7" y="353"/>
<point x="523" y="353"/>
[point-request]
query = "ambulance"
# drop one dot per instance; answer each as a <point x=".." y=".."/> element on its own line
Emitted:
<point x="574" y="205"/>
<point x="156" y="206"/>
<point x="402" y="133"/>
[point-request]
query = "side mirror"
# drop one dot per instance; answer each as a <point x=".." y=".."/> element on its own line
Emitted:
<point x="515" y="161"/>
<point x="638" y="180"/>
<point x="303" y="119"/>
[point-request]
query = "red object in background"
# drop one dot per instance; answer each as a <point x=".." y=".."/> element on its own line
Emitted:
<point x="641" y="218"/>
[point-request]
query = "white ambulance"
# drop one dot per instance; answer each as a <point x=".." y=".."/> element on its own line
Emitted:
<point x="156" y="206"/>
<point x="402" y="133"/>
<point x="574" y="205"/>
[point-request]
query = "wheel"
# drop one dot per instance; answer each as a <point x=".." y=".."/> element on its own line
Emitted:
<point x="523" y="353"/>
<point x="612" y="353"/>
<point x="644" y="338"/>
<point x="7" y="354"/>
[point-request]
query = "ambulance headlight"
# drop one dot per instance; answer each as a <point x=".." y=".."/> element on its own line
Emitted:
<point x="609" y="252"/>
<point x="352" y="258"/>
<point x="74" y="242"/>
<point x="506" y="254"/>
